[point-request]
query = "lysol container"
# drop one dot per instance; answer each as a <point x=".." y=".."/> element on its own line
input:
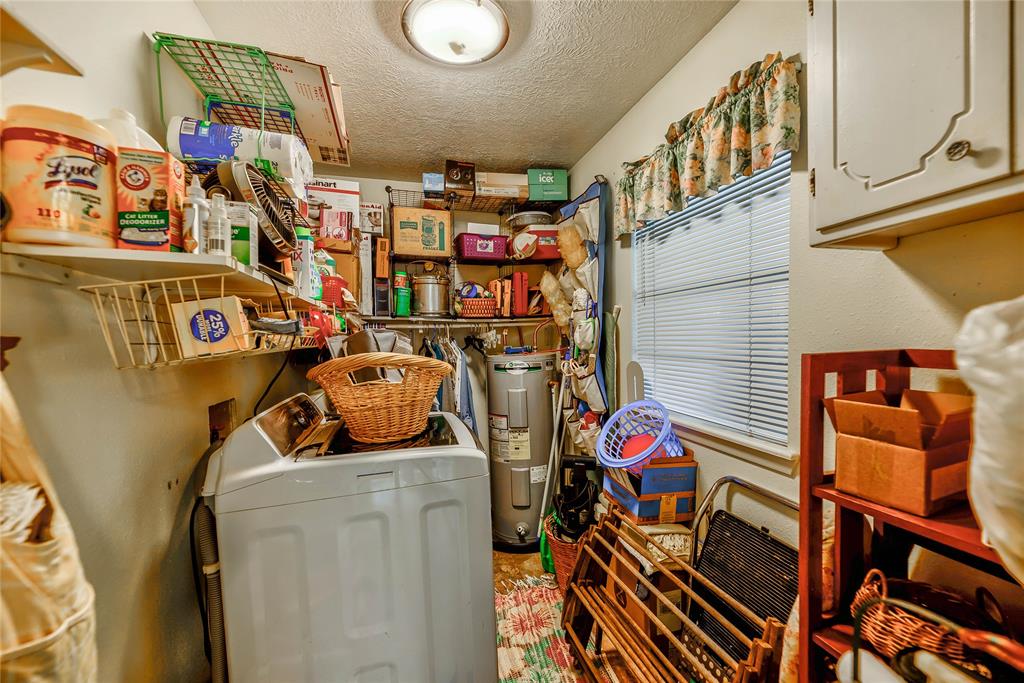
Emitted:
<point x="59" y="174"/>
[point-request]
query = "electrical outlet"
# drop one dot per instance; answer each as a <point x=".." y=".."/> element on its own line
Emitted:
<point x="223" y="419"/>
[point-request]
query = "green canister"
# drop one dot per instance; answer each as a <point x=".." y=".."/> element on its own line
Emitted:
<point x="403" y="301"/>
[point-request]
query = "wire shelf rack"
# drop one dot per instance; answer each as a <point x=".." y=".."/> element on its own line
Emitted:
<point x="237" y="81"/>
<point x="452" y="202"/>
<point x="158" y="323"/>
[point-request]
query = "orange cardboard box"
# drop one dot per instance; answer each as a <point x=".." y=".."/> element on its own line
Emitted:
<point x="912" y="457"/>
<point x="150" y="200"/>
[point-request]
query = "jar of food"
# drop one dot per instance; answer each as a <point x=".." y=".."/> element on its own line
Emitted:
<point x="59" y="174"/>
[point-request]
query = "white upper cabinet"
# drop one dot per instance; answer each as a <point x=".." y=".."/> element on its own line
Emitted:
<point x="911" y="108"/>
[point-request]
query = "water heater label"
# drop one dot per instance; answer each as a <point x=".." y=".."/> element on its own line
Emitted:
<point x="519" y="444"/>
<point x="497" y="422"/>
<point x="499" y="450"/>
<point x="538" y="474"/>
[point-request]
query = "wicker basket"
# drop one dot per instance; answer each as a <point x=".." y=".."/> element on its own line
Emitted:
<point x="891" y="629"/>
<point x="564" y="554"/>
<point x="478" y="307"/>
<point x="381" y="411"/>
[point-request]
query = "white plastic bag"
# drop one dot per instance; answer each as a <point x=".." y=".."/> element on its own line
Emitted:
<point x="990" y="355"/>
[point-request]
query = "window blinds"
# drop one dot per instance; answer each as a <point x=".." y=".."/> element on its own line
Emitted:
<point x="711" y="306"/>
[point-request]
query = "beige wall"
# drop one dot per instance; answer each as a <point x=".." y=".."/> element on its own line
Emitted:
<point x="915" y="295"/>
<point x="121" y="445"/>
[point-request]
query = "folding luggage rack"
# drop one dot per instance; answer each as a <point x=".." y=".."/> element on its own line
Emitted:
<point x="733" y="598"/>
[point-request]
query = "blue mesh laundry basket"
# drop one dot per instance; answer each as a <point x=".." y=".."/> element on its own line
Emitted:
<point x="636" y="419"/>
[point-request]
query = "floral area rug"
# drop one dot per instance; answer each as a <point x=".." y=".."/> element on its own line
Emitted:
<point x="531" y="643"/>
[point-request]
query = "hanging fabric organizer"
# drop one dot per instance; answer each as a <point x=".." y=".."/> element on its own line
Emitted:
<point x="583" y="372"/>
<point x="738" y="133"/>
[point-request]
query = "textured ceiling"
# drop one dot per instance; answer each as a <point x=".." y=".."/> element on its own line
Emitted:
<point x="570" y="70"/>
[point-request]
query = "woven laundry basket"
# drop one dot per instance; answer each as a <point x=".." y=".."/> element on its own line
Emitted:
<point x="382" y="411"/>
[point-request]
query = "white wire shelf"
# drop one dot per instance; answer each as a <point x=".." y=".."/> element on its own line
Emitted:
<point x="165" y="322"/>
<point x="131" y="265"/>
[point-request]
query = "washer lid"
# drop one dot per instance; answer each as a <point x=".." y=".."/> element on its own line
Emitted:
<point x="300" y="478"/>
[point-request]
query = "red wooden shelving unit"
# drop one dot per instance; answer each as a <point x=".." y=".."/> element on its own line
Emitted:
<point x="953" y="532"/>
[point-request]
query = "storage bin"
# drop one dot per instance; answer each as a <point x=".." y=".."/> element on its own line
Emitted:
<point x="668" y="487"/>
<point x="470" y="245"/>
<point x="547" y="244"/>
<point x="333" y="284"/>
<point x="476" y="308"/>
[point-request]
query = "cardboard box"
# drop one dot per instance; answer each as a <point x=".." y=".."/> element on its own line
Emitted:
<point x="459" y="178"/>
<point x="365" y="295"/>
<point x="150" y="200"/>
<point x="371" y="218"/>
<point x="912" y="457"/>
<point x="245" y="232"/>
<point x="421" y="232"/>
<point x="548" y="184"/>
<point x="433" y="185"/>
<point x="344" y="246"/>
<point x="382" y="259"/>
<point x="512" y="185"/>
<point x="347" y="266"/>
<point x="668" y="487"/>
<point x="381" y="297"/>
<point x="334" y="193"/>
<point x="319" y="111"/>
<point x="211" y="326"/>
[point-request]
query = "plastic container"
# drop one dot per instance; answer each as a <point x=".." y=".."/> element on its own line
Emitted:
<point x="547" y="243"/>
<point x="59" y="178"/>
<point x="403" y="301"/>
<point x="470" y="245"/>
<point x="218" y="228"/>
<point x="307" y="277"/>
<point x="333" y="284"/>
<point x="127" y="132"/>
<point x="197" y="212"/>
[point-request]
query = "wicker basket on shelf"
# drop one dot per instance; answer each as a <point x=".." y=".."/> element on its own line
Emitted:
<point x="478" y="307"/>
<point x="382" y="411"/>
<point x="891" y="629"/>
<point x="564" y="553"/>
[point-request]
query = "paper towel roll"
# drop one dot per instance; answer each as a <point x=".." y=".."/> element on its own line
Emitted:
<point x="189" y="138"/>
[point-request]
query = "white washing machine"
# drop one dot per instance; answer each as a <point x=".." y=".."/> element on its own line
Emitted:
<point x="350" y="562"/>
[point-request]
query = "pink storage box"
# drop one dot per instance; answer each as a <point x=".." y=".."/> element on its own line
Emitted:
<point x="469" y="245"/>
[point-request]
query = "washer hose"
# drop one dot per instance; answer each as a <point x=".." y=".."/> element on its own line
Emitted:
<point x="209" y="563"/>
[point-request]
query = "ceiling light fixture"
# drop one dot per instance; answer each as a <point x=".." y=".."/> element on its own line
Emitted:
<point x="456" y="31"/>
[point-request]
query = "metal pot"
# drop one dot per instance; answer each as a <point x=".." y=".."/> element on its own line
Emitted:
<point x="525" y="218"/>
<point x="430" y="292"/>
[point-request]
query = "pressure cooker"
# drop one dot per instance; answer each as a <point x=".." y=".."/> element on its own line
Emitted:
<point x="430" y="291"/>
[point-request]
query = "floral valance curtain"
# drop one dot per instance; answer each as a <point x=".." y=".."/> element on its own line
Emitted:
<point x="737" y="133"/>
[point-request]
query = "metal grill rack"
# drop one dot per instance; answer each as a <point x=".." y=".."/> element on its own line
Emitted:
<point x="237" y="81"/>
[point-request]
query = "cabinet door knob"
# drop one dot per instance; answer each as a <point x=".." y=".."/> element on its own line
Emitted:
<point x="958" y="150"/>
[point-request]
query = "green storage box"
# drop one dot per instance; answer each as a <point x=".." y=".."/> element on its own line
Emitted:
<point x="548" y="184"/>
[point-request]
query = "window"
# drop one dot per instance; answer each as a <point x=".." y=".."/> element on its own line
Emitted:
<point x="711" y="306"/>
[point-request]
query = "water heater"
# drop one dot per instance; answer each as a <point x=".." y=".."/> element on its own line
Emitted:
<point x="520" y="424"/>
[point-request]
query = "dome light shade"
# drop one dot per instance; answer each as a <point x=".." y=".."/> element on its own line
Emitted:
<point x="456" y="31"/>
